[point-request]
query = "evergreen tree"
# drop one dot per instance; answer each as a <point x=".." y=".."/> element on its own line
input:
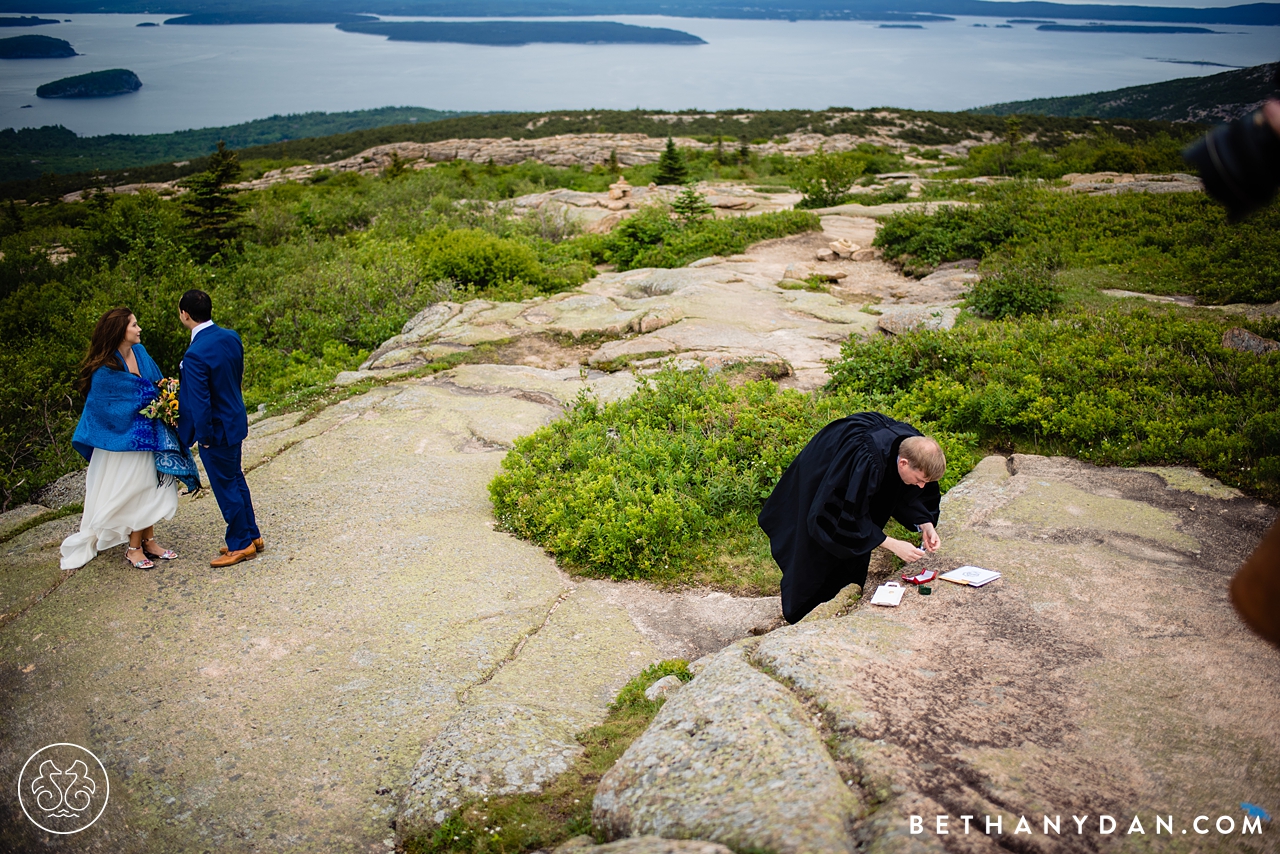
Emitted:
<point x="671" y="167"/>
<point x="210" y="204"/>
<point x="12" y="220"/>
<point x="691" y="206"/>
<point x="395" y="168"/>
<point x="1013" y="133"/>
<point x="613" y="166"/>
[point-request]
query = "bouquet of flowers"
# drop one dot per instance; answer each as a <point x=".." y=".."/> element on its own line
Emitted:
<point x="165" y="406"/>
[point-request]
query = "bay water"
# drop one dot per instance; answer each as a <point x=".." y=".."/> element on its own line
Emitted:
<point x="202" y="76"/>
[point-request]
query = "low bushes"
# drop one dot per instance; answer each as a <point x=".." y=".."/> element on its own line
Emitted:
<point x="477" y="259"/>
<point x="652" y="238"/>
<point x="1114" y="388"/>
<point x="825" y="179"/>
<point x="1157" y="243"/>
<point x="1098" y="152"/>
<point x="1025" y="285"/>
<point x="665" y="483"/>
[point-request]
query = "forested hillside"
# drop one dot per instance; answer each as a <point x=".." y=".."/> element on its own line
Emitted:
<point x="254" y="143"/>
<point x="31" y="152"/>
<point x="1211" y="99"/>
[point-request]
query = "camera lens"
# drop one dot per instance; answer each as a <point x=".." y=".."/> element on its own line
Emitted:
<point x="1239" y="163"/>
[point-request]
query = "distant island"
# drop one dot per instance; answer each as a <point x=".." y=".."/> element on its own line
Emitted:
<point x="148" y="24"/>
<point x="281" y="16"/>
<point x="900" y="27"/>
<point x="516" y="33"/>
<point x="34" y="47"/>
<point x="1028" y="21"/>
<point x="26" y="21"/>
<point x="1118" y="28"/>
<point x="95" y="84"/>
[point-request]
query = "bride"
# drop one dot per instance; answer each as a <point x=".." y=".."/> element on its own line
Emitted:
<point x="134" y="461"/>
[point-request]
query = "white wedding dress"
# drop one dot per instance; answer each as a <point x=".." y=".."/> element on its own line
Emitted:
<point x="121" y="495"/>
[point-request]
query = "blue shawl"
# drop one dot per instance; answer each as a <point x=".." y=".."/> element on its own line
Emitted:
<point x="110" y="420"/>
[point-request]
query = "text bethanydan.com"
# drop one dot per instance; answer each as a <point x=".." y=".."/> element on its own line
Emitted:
<point x="1103" y="825"/>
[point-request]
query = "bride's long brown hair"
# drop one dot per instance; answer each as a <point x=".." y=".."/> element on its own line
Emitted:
<point x="104" y="347"/>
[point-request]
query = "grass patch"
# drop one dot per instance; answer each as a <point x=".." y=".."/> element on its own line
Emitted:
<point x="811" y="283"/>
<point x="515" y="823"/>
<point x="37" y="521"/>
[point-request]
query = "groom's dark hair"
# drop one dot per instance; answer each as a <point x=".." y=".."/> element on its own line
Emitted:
<point x="197" y="305"/>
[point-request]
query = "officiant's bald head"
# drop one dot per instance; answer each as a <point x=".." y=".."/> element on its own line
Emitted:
<point x="924" y="455"/>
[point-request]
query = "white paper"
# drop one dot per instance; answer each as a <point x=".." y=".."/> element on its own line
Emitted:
<point x="974" y="576"/>
<point x="889" y="594"/>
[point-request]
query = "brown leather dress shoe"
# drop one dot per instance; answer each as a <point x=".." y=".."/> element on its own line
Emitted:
<point x="257" y="544"/>
<point x="233" y="558"/>
<point x="1255" y="590"/>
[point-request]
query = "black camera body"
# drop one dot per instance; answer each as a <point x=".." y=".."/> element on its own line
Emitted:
<point x="1239" y="162"/>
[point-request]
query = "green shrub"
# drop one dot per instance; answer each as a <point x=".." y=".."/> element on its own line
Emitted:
<point x="652" y="238"/>
<point x="276" y="379"/>
<point x="1143" y="388"/>
<point x="825" y="179"/>
<point x="1178" y="243"/>
<point x="1025" y="285"/>
<point x="663" y="484"/>
<point x="1097" y="152"/>
<point x="477" y="259"/>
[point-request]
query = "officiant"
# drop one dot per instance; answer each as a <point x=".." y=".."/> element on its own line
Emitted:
<point x="827" y="513"/>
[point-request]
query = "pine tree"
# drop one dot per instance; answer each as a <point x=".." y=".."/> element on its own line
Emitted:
<point x="613" y="166"/>
<point x="12" y="221"/>
<point x="691" y="206"/>
<point x="210" y="204"/>
<point x="1013" y="133"/>
<point x="395" y="168"/>
<point x="671" y="167"/>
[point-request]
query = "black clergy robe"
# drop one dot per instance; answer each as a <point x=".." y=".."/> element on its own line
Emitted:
<point x="827" y="512"/>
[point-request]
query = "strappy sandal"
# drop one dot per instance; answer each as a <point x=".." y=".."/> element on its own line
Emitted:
<point x="145" y="563"/>
<point x="164" y="554"/>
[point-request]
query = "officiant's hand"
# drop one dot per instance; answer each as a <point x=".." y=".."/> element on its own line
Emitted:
<point x="929" y="535"/>
<point x="907" y="551"/>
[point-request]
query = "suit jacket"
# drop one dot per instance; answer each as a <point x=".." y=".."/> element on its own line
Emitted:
<point x="210" y="406"/>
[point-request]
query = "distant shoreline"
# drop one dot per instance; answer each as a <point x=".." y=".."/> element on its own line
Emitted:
<point x="1118" y="28"/>
<point x="300" y="11"/>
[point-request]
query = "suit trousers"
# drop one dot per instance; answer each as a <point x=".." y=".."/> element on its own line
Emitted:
<point x="226" y="476"/>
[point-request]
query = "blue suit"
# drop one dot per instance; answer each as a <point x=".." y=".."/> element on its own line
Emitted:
<point x="211" y="413"/>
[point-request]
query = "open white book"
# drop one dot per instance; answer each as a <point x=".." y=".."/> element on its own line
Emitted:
<point x="974" y="576"/>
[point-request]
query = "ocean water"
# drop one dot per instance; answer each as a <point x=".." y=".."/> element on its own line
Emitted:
<point x="209" y="76"/>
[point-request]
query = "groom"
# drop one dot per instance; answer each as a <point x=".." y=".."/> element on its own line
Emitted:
<point x="211" y="412"/>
